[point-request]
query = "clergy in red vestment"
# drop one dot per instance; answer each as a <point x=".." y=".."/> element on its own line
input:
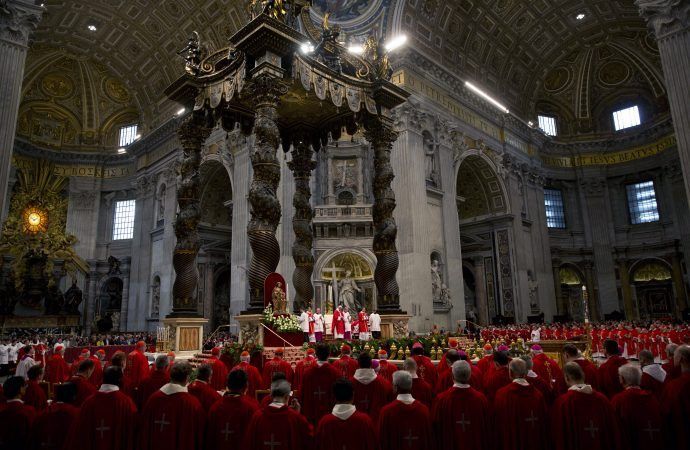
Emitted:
<point x="536" y="381"/>
<point x="279" y="426"/>
<point x="345" y="428"/>
<point x="202" y="389"/>
<point x="302" y="365"/>
<point x="486" y="363"/>
<point x="572" y="353"/>
<point x="675" y="402"/>
<point x="81" y="379"/>
<point x="583" y="419"/>
<point x="653" y="376"/>
<point x="445" y="376"/>
<point x="548" y="369"/>
<point x="277" y="364"/>
<point x="83" y="356"/>
<point x="607" y="375"/>
<point x="50" y="429"/>
<point x="316" y="393"/>
<point x="443" y="364"/>
<point x="386" y="368"/>
<point x="229" y="417"/>
<point x="137" y="368"/>
<point x="421" y="390"/>
<point x="338" y="323"/>
<point x="520" y="412"/>
<point x="461" y="414"/>
<point x="57" y="369"/>
<point x="425" y="368"/>
<point x="96" y="377"/>
<point x="638" y="411"/>
<point x="346" y="365"/>
<point x="220" y="370"/>
<point x="404" y="423"/>
<point x="173" y="419"/>
<point x="106" y="419"/>
<point x="672" y="371"/>
<point x="35" y="395"/>
<point x="499" y="376"/>
<point x="16" y="417"/>
<point x="371" y="391"/>
<point x="253" y="375"/>
<point x="160" y="376"/>
<point x="119" y="360"/>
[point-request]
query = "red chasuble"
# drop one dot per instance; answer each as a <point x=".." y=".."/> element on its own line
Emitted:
<point x="227" y="421"/>
<point x="461" y="420"/>
<point x="172" y="422"/>
<point x="137" y="368"/>
<point x="84" y="389"/>
<point x="543" y="387"/>
<point x="96" y="377"/>
<point x="276" y="365"/>
<point x="549" y="371"/>
<point x="651" y="384"/>
<point x="426" y="369"/>
<point x="370" y="398"/>
<point x="50" y="429"/>
<point x="403" y="426"/>
<point x="675" y="407"/>
<point x="57" y="370"/>
<point x="584" y="421"/>
<point x="278" y="429"/>
<point x="357" y="432"/>
<point x="155" y="381"/>
<point x="253" y="377"/>
<point x="16" y="419"/>
<point x="387" y="369"/>
<point x="640" y="416"/>
<point x="219" y="379"/>
<point x="422" y="391"/>
<point x="205" y="393"/>
<point x="317" y="391"/>
<point x="105" y="422"/>
<point x="520" y="418"/>
<point x="590" y="371"/>
<point x="301" y="367"/>
<point x="35" y="396"/>
<point x="607" y="376"/>
<point x="499" y="377"/>
<point x="337" y="324"/>
<point x="346" y="366"/>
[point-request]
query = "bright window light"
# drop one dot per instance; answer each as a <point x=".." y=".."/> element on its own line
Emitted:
<point x="307" y="48"/>
<point x="555" y="213"/>
<point x="396" y="42"/>
<point x="642" y="202"/>
<point x="128" y="134"/>
<point x="626" y="118"/>
<point x="92" y="27"/>
<point x="486" y="97"/>
<point x="123" y="224"/>
<point x="548" y="125"/>
<point x="580" y="16"/>
<point x="356" y="49"/>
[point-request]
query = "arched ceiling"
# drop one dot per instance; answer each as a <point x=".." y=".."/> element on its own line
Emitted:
<point x="509" y="46"/>
<point x="138" y="39"/>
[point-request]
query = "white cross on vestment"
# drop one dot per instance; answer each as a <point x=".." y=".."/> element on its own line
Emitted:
<point x="409" y="438"/>
<point x="227" y="431"/>
<point x="532" y="419"/>
<point x="162" y="422"/>
<point x="365" y="402"/>
<point x="102" y="428"/>
<point x="462" y="422"/>
<point x="272" y="443"/>
<point x="319" y="393"/>
<point x="591" y="429"/>
<point x="650" y="430"/>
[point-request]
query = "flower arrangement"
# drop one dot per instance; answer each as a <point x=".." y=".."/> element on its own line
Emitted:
<point x="283" y="323"/>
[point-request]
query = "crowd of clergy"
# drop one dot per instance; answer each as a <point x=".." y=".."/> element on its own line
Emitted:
<point x="348" y="403"/>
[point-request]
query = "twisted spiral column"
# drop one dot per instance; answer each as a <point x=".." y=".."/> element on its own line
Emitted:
<point x="380" y="134"/>
<point x="265" y="207"/>
<point x="192" y="136"/>
<point x="302" y="166"/>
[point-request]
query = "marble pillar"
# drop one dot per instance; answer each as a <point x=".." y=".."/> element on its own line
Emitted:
<point x="560" y="302"/>
<point x="631" y="313"/>
<point x="239" y="253"/>
<point x="679" y="286"/>
<point x="594" y="294"/>
<point x="480" y="291"/>
<point x="17" y="19"/>
<point x="670" y="21"/>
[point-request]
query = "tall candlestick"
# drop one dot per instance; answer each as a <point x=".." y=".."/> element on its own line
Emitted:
<point x="585" y="298"/>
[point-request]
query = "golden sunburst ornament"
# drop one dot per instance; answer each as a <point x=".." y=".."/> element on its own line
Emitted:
<point x="35" y="220"/>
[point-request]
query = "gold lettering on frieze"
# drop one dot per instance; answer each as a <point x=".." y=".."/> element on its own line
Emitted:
<point x="78" y="170"/>
<point x="623" y="156"/>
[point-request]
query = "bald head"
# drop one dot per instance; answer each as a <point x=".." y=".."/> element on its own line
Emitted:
<point x="452" y="355"/>
<point x="629" y="375"/>
<point x="461" y="372"/>
<point x="573" y="374"/>
<point x="518" y="368"/>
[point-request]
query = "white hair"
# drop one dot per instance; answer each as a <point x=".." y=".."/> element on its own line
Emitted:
<point x="280" y="388"/>
<point x="631" y="374"/>
<point x="461" y="371"/>
<point x="402" y="379"/>
<point x="410" y="365"/>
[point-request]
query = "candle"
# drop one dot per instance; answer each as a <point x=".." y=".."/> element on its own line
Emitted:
<point x="585" y="303"/>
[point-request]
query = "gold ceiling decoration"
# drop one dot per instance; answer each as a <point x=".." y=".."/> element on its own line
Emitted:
<point x="651" y="271"/>
<point x="568" y="275"/>
<point x="352" y="262"/>
<point x="35" y="220"/>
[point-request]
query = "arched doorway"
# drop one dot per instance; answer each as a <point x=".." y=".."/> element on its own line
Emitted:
<point x="110" y="305"/>
<point x="486" y="238"/>
<point x="571" y="281"/>
<point x="332" y="268"/>
<point x="653" y="289"/>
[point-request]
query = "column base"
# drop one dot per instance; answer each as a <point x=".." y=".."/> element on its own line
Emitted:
<point x="395" y="325"/>
<point x="251" y="331"/>
<point x="186" y="334"/>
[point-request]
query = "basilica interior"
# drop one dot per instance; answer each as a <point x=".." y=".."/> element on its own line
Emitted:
<point x="538" y="161"/>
